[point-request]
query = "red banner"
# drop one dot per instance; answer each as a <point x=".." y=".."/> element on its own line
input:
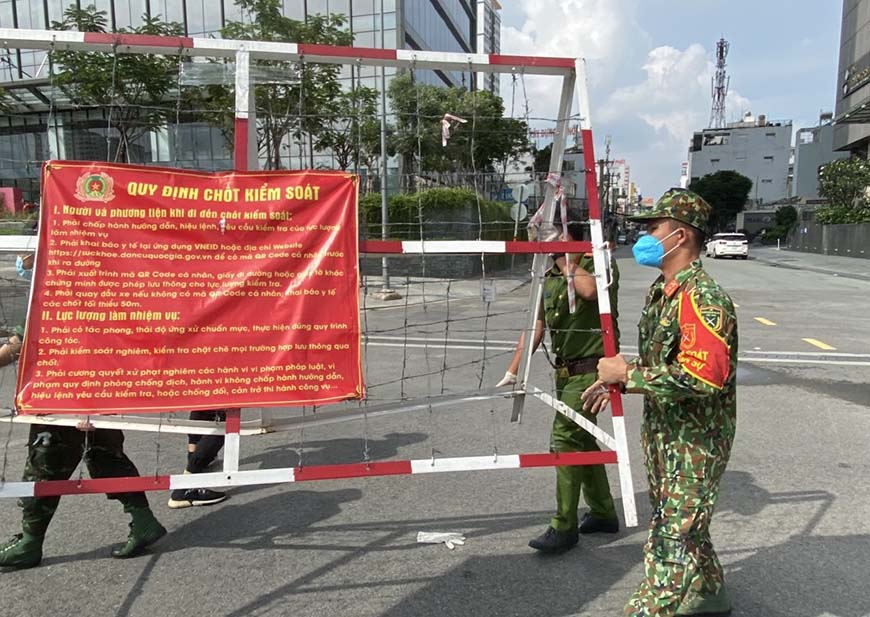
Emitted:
<point x="159" y="289"/>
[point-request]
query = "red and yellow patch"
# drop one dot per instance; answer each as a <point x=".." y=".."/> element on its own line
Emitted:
<point x="704" y="354"/>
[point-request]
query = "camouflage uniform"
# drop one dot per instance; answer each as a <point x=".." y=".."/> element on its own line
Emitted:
<point x="54" y="452"/>
<point x="687" y="369"/>
<point x="576" y="336"/>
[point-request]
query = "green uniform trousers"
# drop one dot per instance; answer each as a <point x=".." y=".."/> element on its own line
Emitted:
<point x="54" y="452"/>
<point x="679" y="560"/>
<point x="567" y="436"/>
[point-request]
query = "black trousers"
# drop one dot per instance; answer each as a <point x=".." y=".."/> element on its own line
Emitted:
<point x="207" y="446"/>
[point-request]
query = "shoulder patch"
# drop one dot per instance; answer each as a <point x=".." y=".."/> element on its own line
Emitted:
<point x="671" y="288"/>
<point x="712" y="316"/>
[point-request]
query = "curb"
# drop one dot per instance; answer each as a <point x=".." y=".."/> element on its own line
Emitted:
<point x="848" y="275"/>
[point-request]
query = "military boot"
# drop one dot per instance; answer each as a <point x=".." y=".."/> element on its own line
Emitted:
<point x="145" y="530"/>
<point x="24" y="550"/>
<point x="716" y="605"/>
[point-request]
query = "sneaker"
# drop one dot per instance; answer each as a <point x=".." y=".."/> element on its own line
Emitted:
<point x="185" y="498"/>
<point x="553" y="541"/>
<point x="22" y="551"/>
<point x="593" y="524"/>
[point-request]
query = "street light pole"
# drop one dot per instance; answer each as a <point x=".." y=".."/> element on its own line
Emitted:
<point x="385" y="293"/>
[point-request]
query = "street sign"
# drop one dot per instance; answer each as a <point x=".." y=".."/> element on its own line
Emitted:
<point x="519" y="212"/>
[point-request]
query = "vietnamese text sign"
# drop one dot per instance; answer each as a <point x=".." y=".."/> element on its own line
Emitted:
<point x="159" y="289"/>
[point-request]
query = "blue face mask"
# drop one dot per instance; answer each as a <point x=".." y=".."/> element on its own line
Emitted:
<point x="27" y="275"/>
<point x="648" y="251"/>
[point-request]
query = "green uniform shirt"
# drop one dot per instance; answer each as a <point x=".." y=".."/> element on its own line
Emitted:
<point x="576" y="335"/>
<point x="687" y="365"/>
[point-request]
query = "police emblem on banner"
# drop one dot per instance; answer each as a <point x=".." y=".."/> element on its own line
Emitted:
<point x="95" y="187"/>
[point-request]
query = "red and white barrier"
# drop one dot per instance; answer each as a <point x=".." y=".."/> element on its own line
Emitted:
<point x="303" y="474"/>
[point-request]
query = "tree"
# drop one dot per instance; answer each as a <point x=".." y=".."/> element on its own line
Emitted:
<point x="542" y="159"/>
<point x="844" y="184"/>
<point x="349" y="134"/>
<point x="134" y="88"/>
<point x="419" y="109"/>
<point x="786" y="217"/>
<point x="305" y="108"/>
<point x="726" y="192"/>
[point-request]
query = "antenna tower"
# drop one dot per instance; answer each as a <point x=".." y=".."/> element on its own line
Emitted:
<point x="721" y="81"/>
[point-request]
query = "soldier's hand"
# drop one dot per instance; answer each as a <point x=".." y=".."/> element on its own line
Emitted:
<point x="509" y="379"/>
<point x="613" y="370"/>
<point x="593" y="395"/>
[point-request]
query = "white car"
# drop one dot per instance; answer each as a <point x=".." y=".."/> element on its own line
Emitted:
<point x="728" y="245"/>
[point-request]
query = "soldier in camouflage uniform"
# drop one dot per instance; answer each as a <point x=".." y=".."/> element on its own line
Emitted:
<point x="577" y="345"/>
<point x="687" y="370"/>
<point x="53" y="453"/>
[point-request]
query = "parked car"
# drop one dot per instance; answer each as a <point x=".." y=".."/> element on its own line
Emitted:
<point x="622" y="239"/>
<point x="728" y="245"/>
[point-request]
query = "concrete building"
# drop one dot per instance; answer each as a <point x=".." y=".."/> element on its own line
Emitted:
<point x="488" y="40"/>
<point x="814" y="146"/>
<point x="440" y="25"/>
<point x="755" y="148"/>
<point x="852" y="112"/>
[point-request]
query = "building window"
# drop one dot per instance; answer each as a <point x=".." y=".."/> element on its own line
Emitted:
<point x="766" y="181"/>
<point x="716" y="139"/>
<point x="768" y="160"/>
<point x="714" y="162"/>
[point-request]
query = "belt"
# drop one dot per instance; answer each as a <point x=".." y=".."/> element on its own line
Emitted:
<point x="580" y="366"/>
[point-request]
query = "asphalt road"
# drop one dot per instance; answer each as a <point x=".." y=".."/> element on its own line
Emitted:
<point x="792" y="527"/>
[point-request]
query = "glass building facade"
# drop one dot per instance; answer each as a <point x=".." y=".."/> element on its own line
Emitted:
<point x="439" y="25"/>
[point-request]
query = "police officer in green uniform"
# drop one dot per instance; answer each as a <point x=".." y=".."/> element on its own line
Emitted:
<point x="687" y="372"/>
<point x="577" y="346"/>
<point x="53" y="453"/>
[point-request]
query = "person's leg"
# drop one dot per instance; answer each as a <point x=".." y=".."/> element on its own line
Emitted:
<point x="205" y="447"/>
<point x="678" y="555"/>
<point x="53" y="452"/>
<point x="106" y="459"/>
<point x="592" y="478"/>
<point x="201" y="452"/>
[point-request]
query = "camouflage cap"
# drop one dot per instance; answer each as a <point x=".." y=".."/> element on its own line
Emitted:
<point x="681" y="205"/>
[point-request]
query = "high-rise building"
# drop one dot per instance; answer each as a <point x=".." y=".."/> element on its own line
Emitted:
<point x="755" y="148"/>
<point x="814" y="147"/>
<point x="432" y="25"/>
<point x="852" y="112"/>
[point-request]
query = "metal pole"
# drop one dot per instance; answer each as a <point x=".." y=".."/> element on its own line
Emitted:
<point x="385" y="215"/>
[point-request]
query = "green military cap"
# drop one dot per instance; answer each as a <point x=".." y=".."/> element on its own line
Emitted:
<point x="681" y="205"/>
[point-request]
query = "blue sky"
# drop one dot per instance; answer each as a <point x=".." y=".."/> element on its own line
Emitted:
<point x="650" y="63"/>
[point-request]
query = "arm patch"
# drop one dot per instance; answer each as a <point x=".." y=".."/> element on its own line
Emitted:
<point x="704" y="354"/>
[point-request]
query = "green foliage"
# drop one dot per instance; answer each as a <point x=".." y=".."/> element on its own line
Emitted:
<point x="439" y="209"/>
<point x="317" y="98"/>
<point x="726" y="192"/>
<point x="354" y="135"/>
<point x="786" y="217"/>
<point x="420" y="108"/>
<point x="844" y="183"/>
<point x="134" y="87"/>
<point x="542" y="159"/>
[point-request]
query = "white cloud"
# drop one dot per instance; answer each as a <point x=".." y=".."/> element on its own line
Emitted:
<point x="650" y="120"/>
<point x="597" y="30"/>
<point x="674" y="99"/>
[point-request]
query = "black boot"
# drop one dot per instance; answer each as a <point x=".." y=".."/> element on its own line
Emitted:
<point x="593" y="524"/>
<point x="553" y="541"/>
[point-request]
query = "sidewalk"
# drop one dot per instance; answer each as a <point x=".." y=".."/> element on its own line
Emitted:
<point x="847" y="267"/>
